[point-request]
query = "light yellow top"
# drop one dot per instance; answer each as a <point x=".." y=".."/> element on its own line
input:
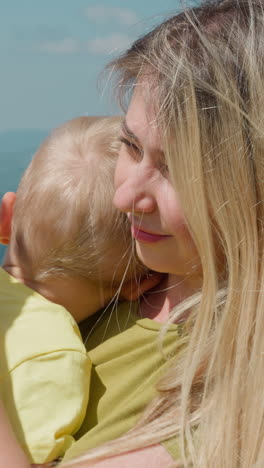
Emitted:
<point x="44" y="370"/>
<point x="127" y="363"/>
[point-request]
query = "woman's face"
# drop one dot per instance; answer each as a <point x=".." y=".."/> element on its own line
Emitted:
<point x="145" y="193"/>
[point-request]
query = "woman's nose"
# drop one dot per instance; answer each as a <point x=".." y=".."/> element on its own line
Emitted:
<point x="133" y="195"/>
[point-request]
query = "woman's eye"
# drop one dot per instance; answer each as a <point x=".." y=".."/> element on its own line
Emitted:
<point x="129" y="143"/>
<point x="131" y="146"/>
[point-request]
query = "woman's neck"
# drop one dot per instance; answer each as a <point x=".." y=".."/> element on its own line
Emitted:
<point x="158" y="303"/>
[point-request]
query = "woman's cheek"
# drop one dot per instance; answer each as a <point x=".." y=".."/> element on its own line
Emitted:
<point x="179" y="226"/>
<point x="174" y="213"/>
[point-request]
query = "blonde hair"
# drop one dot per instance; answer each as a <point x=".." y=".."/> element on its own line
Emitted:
<point x="64" y="220"/>
<point x="206" y="69"/>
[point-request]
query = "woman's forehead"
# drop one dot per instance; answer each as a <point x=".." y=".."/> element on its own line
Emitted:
<point x="141" y="119"/>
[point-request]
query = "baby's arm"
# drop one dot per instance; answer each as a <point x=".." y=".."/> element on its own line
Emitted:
<point x="11" y="455"/>
<point x="48" y="402"/>
<point x="44" y="371"/>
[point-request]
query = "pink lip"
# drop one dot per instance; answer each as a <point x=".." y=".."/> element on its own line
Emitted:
<point x="146" y="237"/>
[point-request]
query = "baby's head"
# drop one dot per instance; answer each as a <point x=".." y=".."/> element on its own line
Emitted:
<point x="64" y="223"/>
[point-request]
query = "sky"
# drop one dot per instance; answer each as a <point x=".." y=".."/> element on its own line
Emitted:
<point x="52" y="51"/>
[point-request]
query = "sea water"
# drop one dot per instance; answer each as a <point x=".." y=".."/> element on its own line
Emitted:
<point x="16" y="150"/>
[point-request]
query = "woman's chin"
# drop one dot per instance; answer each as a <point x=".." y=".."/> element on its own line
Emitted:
<point x="150" y="260"/>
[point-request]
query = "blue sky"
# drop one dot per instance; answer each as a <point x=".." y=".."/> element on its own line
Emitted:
<point x="51" y="53"/>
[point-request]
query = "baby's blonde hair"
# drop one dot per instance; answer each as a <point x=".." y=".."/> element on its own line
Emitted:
<point x="64" y="220"/>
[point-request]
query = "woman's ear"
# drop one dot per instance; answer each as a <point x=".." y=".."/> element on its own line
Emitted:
<point x="6" y="214"/>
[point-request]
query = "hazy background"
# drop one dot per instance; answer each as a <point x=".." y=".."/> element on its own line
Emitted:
<point x="51" y="53"/>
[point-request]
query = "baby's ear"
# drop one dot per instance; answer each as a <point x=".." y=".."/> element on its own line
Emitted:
<point x="133" y="289"/>
<point x="6" y="214"/>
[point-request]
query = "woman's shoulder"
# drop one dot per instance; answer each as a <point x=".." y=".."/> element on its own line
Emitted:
<point x="122" y="323"/>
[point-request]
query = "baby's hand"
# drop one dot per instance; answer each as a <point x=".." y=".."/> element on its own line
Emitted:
<point x="133" y="289"/>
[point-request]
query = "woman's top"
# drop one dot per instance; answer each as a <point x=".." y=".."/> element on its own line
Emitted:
<point x="127" y="362"/>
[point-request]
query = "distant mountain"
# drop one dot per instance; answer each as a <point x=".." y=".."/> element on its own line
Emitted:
<point x="21" y="140"/>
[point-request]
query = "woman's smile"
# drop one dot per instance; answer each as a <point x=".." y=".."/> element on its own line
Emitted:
<point x="147" y="237"/>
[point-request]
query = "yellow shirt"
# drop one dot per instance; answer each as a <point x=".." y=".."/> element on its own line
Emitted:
<point x="44" y="370"/>
<point x="126" y="365"/>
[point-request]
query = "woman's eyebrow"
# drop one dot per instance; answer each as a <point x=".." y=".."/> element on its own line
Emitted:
<point x="129" y="132"/>
<point x="134" y="138"/>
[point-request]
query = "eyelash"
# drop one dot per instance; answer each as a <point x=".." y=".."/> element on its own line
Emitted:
<point x="130" y="145"/>
<point x="162" y="167"/>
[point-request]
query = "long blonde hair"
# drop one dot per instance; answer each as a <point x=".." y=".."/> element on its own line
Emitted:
<point x="206" y="66"/>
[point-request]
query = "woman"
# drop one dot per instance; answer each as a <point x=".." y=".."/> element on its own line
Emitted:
<point x="190" y="176"/>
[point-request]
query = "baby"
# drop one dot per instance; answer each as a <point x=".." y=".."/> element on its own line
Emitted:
<point x="70" y="249"/>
